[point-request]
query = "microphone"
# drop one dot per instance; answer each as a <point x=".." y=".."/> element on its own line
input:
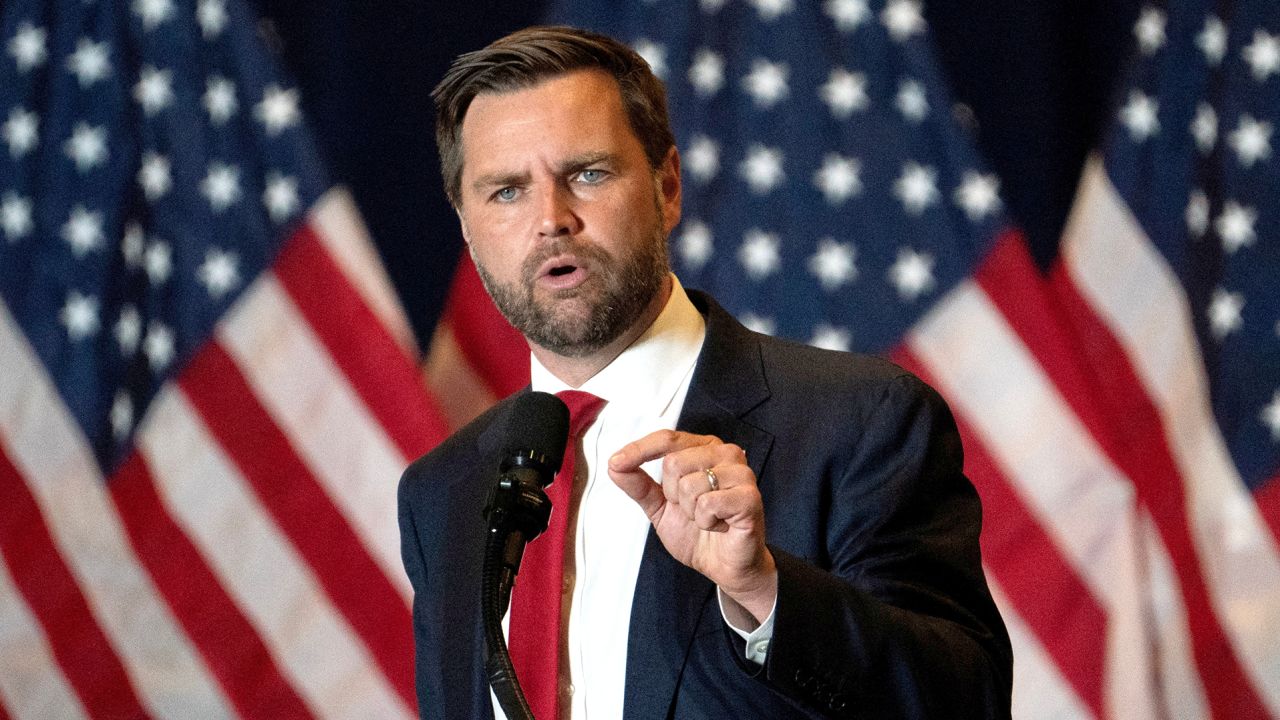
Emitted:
<point x="517" y="511"/>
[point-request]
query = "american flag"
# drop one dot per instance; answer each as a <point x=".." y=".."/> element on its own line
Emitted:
<point x="207" y="388"/>
<point x="1121" y="412"/>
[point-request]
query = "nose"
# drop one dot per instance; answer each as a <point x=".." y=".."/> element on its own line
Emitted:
<point x="557" y="216"/>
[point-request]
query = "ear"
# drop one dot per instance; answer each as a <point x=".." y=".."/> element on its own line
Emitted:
<point x="668" y="178"/>
<point x="462" y="223"/>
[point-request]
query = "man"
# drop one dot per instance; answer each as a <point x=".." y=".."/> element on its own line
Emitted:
<point x="761" y="529"/>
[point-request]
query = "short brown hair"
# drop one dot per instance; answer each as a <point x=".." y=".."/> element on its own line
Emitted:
<point x="527" y="57"/>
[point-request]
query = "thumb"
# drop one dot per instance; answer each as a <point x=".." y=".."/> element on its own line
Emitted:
<point x="637" y="484"/>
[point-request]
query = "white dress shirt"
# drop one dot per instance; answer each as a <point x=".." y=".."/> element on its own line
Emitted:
<point x="645" y="388"/>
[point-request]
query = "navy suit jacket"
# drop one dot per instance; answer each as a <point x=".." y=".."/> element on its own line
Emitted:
<point x="882" y="611"/>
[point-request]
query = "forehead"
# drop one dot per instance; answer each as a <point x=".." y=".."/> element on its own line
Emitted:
<point x="564" y="113"/>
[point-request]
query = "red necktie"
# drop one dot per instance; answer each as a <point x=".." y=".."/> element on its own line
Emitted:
<point x="534" y="635"/>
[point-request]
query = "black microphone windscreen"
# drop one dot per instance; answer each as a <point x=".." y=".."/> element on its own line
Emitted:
<point x="538" y="429"/>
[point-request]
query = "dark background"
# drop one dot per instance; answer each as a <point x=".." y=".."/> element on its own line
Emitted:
<point x="1038" y="76"/>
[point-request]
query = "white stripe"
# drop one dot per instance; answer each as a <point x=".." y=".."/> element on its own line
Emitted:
<point x="1039" y="690"/>
<point x="309" y="398"/>
<point x="1179" y="678"/>
<point x="31" y="683"/>
<point x="337" y="222"/>
<point x="49" y="451"/>
<point x="1129" y="284"/>
<point x="312" y="643"/>
<point x="1081" y="500"/>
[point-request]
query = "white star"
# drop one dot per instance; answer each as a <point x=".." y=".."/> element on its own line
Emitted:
<point x="133" y="245"/>
<point x="654" y="54"/>
<point x="90" y="62"/>
<point x="759" y="253"/>
<point x="766" y="83"/>
<point x="154" y="175"/>
<point x="1149" y="30"/>
<point x="212" y="16"/>
<point x="838" y="178"/>
<point x="1212" y="40"/>
<point x="762" y="168"/>
<point x="83" y="231"/>
<point x="1235" y="226"/>
<point x="158" y="346"/>
<point x="121" y="415"/>
<point x="703" y="158"/>
<point x="912" y="273"/>
<point x="1224" y="313"/>
<point x="771" y="10"/>
<point x="830" y="337"/>
<point x="1251" y="140"/>
<point x="711" y="6"/>
<point x="759" y="323"/>
<point x="80" y="315"/>
<point x="221" y="185"/>
<point x="28" y="47"/>
<point x="1139" y="115"/>
<point x="903" y="18"/>
<point x="1270" y="415"/>
<point x="219" y="273"/>
<point x="916" y="187"/>
<point x="978" y="195"/>
<point x="21" y="131"/>
<point x="278" y="109"/>
<point x="154" y="90"/>
<point x="707" y="72"/>
<point x="1263" y="55"/>
<point x="834" y="264"/>
<point x="694" y="245"/>
<point x="219" y="99"/>
<point x="128" y="330"/>
<point x="1204" y="128"/>
<point x="911" y="101"/>
<point x="845" y="92"/>
<point x="280" y="197"/>
<point x="87" y="146"/>
<point x="152" y="12"/>
<point x="847" y="14"/>
<point x="158" y="261"/>
<point x="1197" y="214"/>
<point x="15" y="216"/>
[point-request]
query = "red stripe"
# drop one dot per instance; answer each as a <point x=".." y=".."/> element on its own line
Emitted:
<point x="494" y="349"/>
<point x="374" y="364"/>
<point x="1268" y="499"/>
<point x="1110" y="403"/>
<point x="4" y="713"/>
<point x="303" y="510"/>
<point x="81" y="649"/>
<point x="225" y="639"/>
<point x="1040" y="582"/>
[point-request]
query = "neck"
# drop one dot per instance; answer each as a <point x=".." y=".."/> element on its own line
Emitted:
<point x="574" y="371"/>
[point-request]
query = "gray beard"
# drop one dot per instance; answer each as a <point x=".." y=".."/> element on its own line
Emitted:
<point x="618" y="292"/>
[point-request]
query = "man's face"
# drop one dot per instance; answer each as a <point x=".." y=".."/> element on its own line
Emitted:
<point x="564" y="218"/>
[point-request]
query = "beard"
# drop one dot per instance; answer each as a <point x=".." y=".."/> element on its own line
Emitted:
<point x="613" y="297"/>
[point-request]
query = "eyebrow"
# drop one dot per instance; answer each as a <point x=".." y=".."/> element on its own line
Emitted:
<point x="568" y="167"/>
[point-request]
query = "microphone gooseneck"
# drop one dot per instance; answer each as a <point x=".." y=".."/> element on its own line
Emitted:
<point x="517" y="511"/>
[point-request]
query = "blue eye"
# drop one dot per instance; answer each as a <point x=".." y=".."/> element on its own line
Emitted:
<point x="591" y="176"/>
<point x="506" y="194"/>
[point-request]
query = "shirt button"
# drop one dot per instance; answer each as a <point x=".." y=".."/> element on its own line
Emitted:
<point x="762" y="646"/>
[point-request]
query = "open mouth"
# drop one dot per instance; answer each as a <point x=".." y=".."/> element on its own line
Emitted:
<point x="560" y="270"/>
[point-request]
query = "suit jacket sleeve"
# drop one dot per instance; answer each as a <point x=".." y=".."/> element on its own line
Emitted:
<point x="892" y="618"/>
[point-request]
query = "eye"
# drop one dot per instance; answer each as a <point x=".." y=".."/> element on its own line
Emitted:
<point x="506" y="194"/>
<point x="592" y="177"/>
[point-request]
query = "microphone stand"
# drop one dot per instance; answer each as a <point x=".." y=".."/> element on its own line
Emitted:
<point x="518" y="510"/>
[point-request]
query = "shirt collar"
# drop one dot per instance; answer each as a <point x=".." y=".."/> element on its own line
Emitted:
<point x="648" y="374"/>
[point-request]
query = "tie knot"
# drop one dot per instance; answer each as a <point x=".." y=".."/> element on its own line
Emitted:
<point x="583" y="409"/>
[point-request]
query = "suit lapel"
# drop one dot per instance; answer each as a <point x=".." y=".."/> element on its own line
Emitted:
<point x="670" y="598"/>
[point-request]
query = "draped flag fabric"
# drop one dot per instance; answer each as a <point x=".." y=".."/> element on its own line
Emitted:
<point x="207" y="388"/>
<point x="1121" y="413"/>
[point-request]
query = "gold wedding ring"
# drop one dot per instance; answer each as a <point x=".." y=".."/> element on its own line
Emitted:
<point x="712" y="480"/>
